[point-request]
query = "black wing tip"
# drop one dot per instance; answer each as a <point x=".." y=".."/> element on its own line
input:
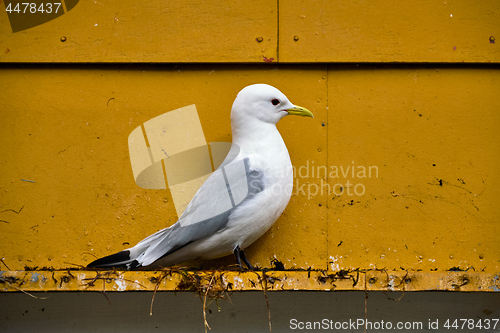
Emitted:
<point x="134" y="264"/>
<point x="112" y="261"/>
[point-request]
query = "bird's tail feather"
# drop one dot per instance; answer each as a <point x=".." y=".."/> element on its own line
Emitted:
<point x="117" y="260"/>
<point x="130" y="258"/>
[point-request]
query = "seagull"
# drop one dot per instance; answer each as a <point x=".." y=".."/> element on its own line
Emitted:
<point x="239" y="202"/>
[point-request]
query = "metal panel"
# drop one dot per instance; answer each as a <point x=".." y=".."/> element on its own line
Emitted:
<point x="153" y="31"/>
<point x="349" y="311"/>
<point x="69" y="194"/>
<point x="66" y="132"/>
<point x="389" y="31"/>
<point x="432" y="134"/>
<point x="309" y="31"/>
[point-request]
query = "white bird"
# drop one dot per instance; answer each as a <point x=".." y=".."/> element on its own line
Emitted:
<point x="256" y="177"/>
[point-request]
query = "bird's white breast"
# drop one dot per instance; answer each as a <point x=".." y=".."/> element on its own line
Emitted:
<point x="254" y="217"/>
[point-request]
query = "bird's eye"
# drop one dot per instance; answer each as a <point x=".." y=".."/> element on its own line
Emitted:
<point x="275" y="101"/>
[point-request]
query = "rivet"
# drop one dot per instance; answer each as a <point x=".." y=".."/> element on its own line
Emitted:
<point x="492" y="40"/>
<point x="65" y="279"/>
<point x="420" y="257"/>
<point x="451" y="256"/>
<point x="108" y="280"/>
<point x="153" y="280"/>
<point x="372" y="280"/>
<point x="259" y="39"/>
<point x="63" y="39"/>
<point x="295" y="38"/>
<point x="407" y="280"/>
<point x="481" y="257"/>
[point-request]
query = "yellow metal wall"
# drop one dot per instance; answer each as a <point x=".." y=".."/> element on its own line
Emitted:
<point x="427" y="133"/>
<point x="432" y="134"/>
<point x="389" y="31"/>
<point x="262" y="31"/>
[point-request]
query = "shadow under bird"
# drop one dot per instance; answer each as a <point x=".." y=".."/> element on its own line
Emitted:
<point x="256" y="178"/>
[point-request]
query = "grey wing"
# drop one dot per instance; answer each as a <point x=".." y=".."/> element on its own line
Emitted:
<point x="208" y="211"/>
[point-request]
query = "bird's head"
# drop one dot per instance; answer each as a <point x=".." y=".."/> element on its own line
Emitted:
<point x="263" y="103"/>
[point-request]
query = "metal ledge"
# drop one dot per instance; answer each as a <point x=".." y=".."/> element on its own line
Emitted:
<point x="221" y="281"/>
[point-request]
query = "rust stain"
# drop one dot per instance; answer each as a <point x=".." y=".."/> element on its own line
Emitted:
<point x="266" y="59"/>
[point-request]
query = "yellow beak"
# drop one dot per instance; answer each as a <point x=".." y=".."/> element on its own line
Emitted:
<point x="300" y="111"/>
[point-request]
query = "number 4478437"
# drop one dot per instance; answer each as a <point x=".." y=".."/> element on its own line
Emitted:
<point x="31" y="7"/>
<point x="471" y="324"/>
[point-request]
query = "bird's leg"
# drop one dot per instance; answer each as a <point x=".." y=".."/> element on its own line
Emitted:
<point x="245" y="260"/>
<point x="237" y="254"/>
